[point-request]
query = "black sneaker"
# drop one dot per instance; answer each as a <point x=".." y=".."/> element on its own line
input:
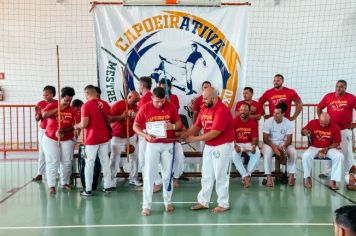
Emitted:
<point x="85" y="193"/>
<point x="106" y="190"/>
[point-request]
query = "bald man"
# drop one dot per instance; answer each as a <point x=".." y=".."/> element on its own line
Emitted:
<point x="119" y="117"/>
<point x="325" y="137"/>
<point x="216" y="121"/>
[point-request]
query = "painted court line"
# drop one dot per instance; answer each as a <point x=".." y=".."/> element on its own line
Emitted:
<point x="178" y="202"/>
<point x="163" y="225"/>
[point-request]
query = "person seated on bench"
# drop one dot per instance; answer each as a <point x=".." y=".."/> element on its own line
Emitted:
<point x="350" y="179"/>
<point x="277" y="140"/>
<point x="246" y="138"/>
<point x="325" y="137"/>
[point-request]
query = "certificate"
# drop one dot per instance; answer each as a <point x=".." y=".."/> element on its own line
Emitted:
<point x="156" y="129"/>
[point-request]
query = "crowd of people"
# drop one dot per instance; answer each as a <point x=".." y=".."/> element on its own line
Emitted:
<point x="146" y="124"/>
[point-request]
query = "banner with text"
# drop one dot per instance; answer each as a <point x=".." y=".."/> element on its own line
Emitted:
<point x="186" y="45"/>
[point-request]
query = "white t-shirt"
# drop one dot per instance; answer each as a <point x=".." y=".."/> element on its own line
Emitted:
<point x="278" y="131"/>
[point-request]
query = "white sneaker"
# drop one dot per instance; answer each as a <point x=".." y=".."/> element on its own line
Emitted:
<point x="135" y="182"/>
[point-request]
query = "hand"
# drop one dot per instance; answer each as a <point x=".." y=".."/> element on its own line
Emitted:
<point x="237" y="148"/>
<point x="59" y="133"/>
<point x="149" y="137"/>
<point x="291" y="118"/>
<point x="253" y="149"/>
<point x="169" y="126"/>
<point x="190" y="139"/>
<point x="266" y="116"/>
<point x="305" y="132"/>
<point x="352" y="125"/>
<point x="131" y="114"/>
<point x="276" y="150"/>
<point x="64" y="106"/>
<point x="322" y="153"/>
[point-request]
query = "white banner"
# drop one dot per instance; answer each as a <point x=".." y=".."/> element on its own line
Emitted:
<point x="187" y="45"/>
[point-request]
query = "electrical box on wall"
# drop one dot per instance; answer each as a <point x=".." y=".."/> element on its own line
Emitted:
<point x="2" y="75"/>
<point x="1" y="94"/>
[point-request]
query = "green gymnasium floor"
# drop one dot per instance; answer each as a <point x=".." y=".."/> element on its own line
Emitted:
<point x="27" y="209"/>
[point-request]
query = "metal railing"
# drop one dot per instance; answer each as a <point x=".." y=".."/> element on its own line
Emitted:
<point x="19" y="131"/>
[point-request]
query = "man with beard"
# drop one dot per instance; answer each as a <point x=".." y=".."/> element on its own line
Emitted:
<point x="280" y="94"/>
<point x="216" y="121"/>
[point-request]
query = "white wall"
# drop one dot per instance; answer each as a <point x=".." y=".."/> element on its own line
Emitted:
<point x="311" y="42"/>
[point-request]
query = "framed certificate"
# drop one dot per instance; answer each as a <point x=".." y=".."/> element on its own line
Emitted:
<point x="157" y="129"/>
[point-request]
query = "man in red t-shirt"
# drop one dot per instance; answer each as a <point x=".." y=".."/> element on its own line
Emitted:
<point x="246" y="139"/>
<point x="198" y="102"/>
<point x="58" y="144"/>
<point x="280" y="94"/>
<point x="145" y="85"/>
<point x="164" y="116"/>
<point x="179" y="159"/>
<point x="48" y="93"/>
<point x="325" y="137"/>
<point x="119" y="117"/>
<point x="216" y="121"/>
<point x="256" y="107"/>
<point x="340" y="106"/>
<point x="95" y="120"/>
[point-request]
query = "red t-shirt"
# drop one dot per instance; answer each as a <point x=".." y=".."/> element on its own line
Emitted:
<point x="69" y="117"/>
<point x="339" y="108"/>
<point x="245" y="131"/>
<point x="274" y="97"/>
<point x="217" y="118"/>
<point x="119" y="127"/>
<point x="198" y="104"/>
<point x="323" y="137"/>
<point x="256" y="107"/>
<point x="144" y="99"/>
<point x="96" y="132"/>
<point x="42" y="105"/>
<point x="149" y="113"/>
<point x="174" y="99"/>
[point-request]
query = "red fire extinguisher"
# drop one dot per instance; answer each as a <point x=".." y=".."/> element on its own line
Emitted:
<point x="1" y="94"/>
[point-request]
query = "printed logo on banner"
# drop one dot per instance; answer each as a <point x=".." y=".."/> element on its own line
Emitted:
<point x="205" y="54"/>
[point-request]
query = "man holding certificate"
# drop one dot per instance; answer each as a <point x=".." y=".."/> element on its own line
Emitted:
<point x="161" y="119"/>
<point x="216" y="121"/>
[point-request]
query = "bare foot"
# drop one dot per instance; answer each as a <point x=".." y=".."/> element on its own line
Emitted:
<point x="291" y="180"/>
<point x="308" y="183"/>
<point x="332" y="185"/>
<point x="146" y="212"/>
<point x="219" y="209"/>
<point x="52" y="190"/>
<point x="246" y="181"/>
<point x="198" y="207"/>
<point x="269" y="181"/>
<point x="169" y="208"/>
<point x="140" y="189"/>
<point x="156" y="188"/>
<point x="175" y="183"/>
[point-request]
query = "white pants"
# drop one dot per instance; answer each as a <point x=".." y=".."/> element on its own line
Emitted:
<point x="216" y="168"/>
<point x="254" y="158"/>
<point x="346" y="149"/>
<point x="141" y="159"/>
<point x="347" y="178"/>
<point x="91" y="152"/>
<point x="118" y="145"/>
<point x="58" y="156"/>
<point x="156" y="153"/>
<point x="41" y="156"/>
<point x="178" y="165"/>
<point x="336" y="160"/>
<point x="267" y="156"/>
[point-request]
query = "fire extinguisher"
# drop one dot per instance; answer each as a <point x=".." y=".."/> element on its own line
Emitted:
<point x="1" y="94"/>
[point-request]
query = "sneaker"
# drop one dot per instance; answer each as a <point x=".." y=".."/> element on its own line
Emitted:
<point x="135" y="182"/>
<point x="37" y="178"/>
<point x="85" y="193"/>
<point x="106" y="190"/>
